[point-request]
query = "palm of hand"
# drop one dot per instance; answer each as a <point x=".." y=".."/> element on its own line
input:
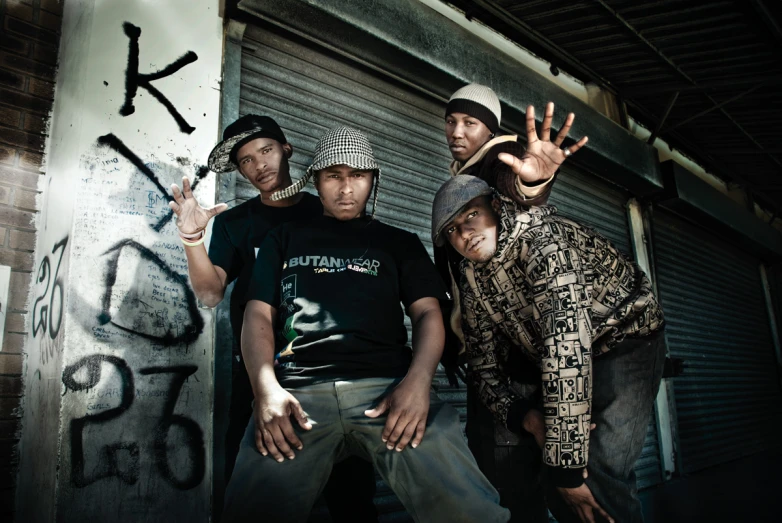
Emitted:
<point x="540" y="161"/>
<point x="543" y="155"/>
<point x="191" y="217"/>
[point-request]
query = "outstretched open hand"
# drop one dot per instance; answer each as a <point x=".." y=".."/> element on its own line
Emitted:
<point x="543" y="157"/>
<point x="191" y="218"/>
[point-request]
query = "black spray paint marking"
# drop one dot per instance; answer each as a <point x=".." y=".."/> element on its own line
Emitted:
<point x="109" y="464"/>
<point x="47" y="317"/>
<point x="121" y="459"/>
<point x="196" y="322"/>
<point x="114" y="143"/>
<point x="194" y="436"/>
<point x="134" y="80"/>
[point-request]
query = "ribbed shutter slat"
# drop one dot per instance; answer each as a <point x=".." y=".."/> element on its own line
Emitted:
<point x="728" y="399"/>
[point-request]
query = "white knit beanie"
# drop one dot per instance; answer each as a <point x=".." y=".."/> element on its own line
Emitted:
<point x="479" y="102"/>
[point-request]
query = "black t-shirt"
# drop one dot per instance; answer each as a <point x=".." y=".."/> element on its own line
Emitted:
<point x="337" y="287"/>
<point x="238" y="233"/>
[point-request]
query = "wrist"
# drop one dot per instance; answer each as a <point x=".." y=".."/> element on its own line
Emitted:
<point x="533" y="421"/>
<point x="566" y="478"/>
<point x="265" y="381"/>
<point x="419" y="377"/>
<point x="192" y="240"/>
<point x="191" y="236"/>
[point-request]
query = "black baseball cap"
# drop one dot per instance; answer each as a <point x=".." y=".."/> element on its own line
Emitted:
<point x="247" y="128"/>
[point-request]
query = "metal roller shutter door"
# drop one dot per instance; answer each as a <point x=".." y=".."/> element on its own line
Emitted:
<point x="728" y="399"/>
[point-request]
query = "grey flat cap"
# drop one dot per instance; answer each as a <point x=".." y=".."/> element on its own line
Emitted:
<point x="449" y="200"/>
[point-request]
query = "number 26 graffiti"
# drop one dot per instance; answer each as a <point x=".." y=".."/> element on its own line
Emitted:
<point x="47" y="316"/>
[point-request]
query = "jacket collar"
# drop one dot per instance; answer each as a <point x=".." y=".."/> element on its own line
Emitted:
<point x="459" y="167"/>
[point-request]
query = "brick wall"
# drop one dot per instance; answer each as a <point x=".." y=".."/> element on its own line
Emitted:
<point x="29" y="39"/>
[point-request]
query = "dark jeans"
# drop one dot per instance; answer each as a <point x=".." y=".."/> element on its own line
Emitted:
<point x="351" y="487"/>
<point x="624" y="386"/>
<point x="437" y="482"/>
<point x="512" y="463"/>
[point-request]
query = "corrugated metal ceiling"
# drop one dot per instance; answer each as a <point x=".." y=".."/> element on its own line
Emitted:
<point x="722" y="57"/>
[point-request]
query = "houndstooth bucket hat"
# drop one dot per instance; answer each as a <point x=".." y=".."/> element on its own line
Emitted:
<point x="339" y="146"/>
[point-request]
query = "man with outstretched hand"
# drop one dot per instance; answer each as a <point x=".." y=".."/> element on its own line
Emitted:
<point x="526" y="175"/>
<point x="324" y="302"/>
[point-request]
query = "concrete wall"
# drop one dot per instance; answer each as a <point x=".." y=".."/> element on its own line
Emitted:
<point x="118" y="377"/>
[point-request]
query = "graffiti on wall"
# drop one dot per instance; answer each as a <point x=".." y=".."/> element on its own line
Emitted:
<point x="98" y="453"/>
<point x="130" y="416"/>
<point x="162" y="194"/>
<point x="134" y="79"/>
<point x="48" y="303"/>
<point x="134" y="310"/>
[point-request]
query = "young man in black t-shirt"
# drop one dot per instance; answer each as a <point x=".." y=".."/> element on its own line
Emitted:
<point x="256" y="147"/>
<point x="324" y="343"/>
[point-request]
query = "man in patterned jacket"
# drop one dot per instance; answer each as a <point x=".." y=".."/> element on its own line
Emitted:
<point x="524" y="172"/>
<point x="540" y="286"/>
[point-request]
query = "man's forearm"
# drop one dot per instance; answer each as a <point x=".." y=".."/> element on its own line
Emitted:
<point x="208" y="286"/>
<point x="428" y="342"/>
<point x="258" y="345"/>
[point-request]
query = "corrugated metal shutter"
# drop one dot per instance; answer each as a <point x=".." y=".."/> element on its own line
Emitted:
<point x="728" y="399"/>
<point x="308" y="91"/>
<point x="593" y="202"/>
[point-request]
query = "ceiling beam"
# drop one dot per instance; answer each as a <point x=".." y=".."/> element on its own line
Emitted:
<point x="710" y="109"/>
<point x="564" y="59"/>
<point x="656" y="131"/>
<point x="684" y="75"/>
<point x="711" y="85"/>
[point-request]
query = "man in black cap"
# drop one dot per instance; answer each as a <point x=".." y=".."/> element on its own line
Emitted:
<point x="512" y="462"/>
<point x="324" y="302"/>
<point x="256" y="147"/>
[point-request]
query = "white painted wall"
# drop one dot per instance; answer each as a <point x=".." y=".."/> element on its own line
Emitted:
<point x="118" y="399"/>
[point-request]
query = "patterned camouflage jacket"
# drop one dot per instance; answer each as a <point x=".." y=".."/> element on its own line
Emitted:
<point x="561" y="293"/>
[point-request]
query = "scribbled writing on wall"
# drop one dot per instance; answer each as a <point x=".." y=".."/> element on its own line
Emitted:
<point x="114" y="143"/>
<point x="134" y="79"/>
<point x="100" y="445"/>
<point x="48" y="304"/>
<point x="149" y="299"/>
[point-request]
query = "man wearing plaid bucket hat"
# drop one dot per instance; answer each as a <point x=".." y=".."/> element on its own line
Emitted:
<point x="324" y="302"/>
<point x="255" y="146"/>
